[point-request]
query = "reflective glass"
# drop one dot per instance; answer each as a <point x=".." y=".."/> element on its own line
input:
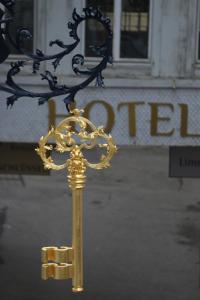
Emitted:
<point x="95" y="32"/>
<point x="134" y="29"/>
<point x="23" y="18"/>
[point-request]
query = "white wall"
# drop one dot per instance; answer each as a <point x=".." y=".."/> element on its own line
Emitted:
<point x="171" y="70"/>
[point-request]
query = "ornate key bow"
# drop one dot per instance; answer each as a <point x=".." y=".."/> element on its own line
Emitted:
<point x="73" y="135"/>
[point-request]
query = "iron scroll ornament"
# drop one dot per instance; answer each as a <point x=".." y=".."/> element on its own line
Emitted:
<point x="104" y="51"/>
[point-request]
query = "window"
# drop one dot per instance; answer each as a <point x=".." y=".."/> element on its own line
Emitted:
<point x="198" y="32"/>
<point x="24" y="15"/>
<point x="130" y="19"/>
<point x="95" y="32"/>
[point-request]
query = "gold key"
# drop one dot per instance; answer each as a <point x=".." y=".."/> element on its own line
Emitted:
<point x="73" y="134"/>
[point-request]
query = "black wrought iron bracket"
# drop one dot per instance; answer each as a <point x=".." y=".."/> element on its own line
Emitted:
<point x="15" y="91"/>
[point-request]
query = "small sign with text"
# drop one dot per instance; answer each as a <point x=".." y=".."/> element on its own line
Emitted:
<point x="184" y="161"/>
<point x="20" y="158"/>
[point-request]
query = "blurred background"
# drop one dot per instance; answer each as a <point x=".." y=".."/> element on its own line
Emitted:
<point x="141" y="226"/>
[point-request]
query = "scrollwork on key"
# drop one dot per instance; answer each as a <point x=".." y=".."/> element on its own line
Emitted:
<point x="83" y="134"/>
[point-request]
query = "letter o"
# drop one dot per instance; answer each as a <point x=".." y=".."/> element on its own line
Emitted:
<point x="108" y="108"/>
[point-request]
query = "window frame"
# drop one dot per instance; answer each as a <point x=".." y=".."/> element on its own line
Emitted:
<point x="117" y="36"/>
<point x="197" y="59"/>
<point x="39" y="29"/>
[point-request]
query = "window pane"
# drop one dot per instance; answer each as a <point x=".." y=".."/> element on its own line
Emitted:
<point x="23" y="18"/>
<point x="134" y="29"/>
<point x="198" y="50"/>
<point x="95" y="32"/>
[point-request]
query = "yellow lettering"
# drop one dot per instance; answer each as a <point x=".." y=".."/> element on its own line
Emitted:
<point x="184" y="122"/>
<point x="109" y="110"/>
<point x="52" y="113"/>
<point x="131" y="115"/>
<point x="155" y="119"/>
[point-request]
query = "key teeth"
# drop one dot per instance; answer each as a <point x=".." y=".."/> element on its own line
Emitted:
<point x="57" y="255"/>
<point x="48" y="271"/>
<point x="57" y="271"/>
<point x="57" y="263"/>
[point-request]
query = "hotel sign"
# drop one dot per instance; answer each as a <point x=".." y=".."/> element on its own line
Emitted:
<point x="133" y="116"/>
<point x="156" y="118"/>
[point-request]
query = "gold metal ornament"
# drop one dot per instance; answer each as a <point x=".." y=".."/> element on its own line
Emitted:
<point x="73" y="134"/>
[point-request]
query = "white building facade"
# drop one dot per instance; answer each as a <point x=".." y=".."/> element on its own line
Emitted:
<point x="152" y="90"/>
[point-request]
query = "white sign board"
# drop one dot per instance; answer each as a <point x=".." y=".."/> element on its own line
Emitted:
<point x="133" y="116"/>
